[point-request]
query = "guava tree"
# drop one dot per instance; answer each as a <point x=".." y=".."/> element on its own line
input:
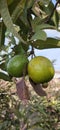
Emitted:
<point x="22" y="26"/>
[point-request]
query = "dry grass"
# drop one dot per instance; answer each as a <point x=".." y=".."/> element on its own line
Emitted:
<point x="10" y="104"/>
<point x="53" y="89"/>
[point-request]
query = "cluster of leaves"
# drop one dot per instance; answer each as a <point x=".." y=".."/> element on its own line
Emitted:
<point x="39" y="113"/>
<point x="26" y="20"/>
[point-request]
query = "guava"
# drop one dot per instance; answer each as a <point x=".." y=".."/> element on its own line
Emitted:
<point x="40" y="69"/>
<point x="16" y="65"/>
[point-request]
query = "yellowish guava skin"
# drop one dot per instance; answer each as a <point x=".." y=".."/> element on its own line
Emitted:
<point x="40" y="69"/>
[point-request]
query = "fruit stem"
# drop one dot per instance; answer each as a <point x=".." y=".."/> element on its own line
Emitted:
<point x="33" y="55"/>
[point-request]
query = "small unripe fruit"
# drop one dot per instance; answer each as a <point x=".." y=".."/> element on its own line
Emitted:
<point x="16" y="65"/>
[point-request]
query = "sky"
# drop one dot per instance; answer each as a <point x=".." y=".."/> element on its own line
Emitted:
<point x="54" y="1"/>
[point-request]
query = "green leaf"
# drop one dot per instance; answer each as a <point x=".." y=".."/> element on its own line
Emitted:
<point x="55" y="18"/>
<point x="36" y="21"/>
<point x="23" y="16"/>
<point x="18" y="49"/>
<point x="47" y="7"/>
<point x="50" y="6"/>
<point x="49" y="43"/>
<point x="30" y="3"/>
<point x="7" y="19"/>
<point x="4" y="76"/>
<point x="2" y="33"/>
<point x="9" y="2"/>
<point x="3" y="66"/>
<point x="18" y="10"/>
<point x="13" y="5"/>
<point x="45" y="2"/>
<point x="43" y="26"/>
<point x="39" y="35"/>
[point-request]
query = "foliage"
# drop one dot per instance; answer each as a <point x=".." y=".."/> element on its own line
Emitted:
<point x="39" y="113"/>
<point x="26" y="21"/>
<point x="22" y="26"/>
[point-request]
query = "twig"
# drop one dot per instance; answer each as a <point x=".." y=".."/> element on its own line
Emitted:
<point x="32" y="49"/>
